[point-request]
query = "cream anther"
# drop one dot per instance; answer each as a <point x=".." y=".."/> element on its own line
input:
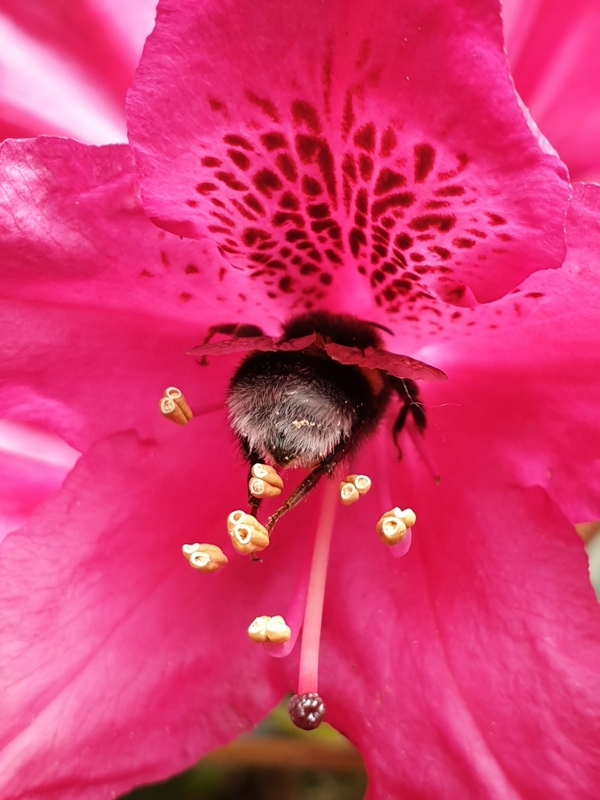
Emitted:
<point x="265" y="482"/>
<point x="267" y="474"/>
<point x="352" y="487"/>
<point x="237" y="518"/>
<point x="246" y="532"/>
<point x="272" y="629"/>
<point x="348" y="493"/>
<point x="260" y="488"/>
<point x="277" y="630"/>
<point x="362" y="482"/>
<point x="173" y="406"/>
<point x="393" y="525"/>
<point x="258" y="629"/>
<point x="205" y="557"/>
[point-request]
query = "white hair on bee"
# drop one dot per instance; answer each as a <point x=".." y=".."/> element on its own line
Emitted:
<point x="281" y="415"/>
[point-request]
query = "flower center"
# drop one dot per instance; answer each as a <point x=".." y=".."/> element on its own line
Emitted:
<point x="249" y="537"/>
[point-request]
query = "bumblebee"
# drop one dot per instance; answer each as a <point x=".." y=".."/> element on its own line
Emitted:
<point x="310" y="398"/>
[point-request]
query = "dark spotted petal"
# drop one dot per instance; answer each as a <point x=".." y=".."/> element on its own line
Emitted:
<point x="371" y="158"/>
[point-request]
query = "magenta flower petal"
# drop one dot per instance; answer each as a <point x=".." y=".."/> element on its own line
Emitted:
<point x="97" y="295"/>
<point x="66" y="66"/>
<point x="388" y="140"/>
<point x="471" y="665"/>
<point x="133" y="661"/>
<point x="553" y="53"/>
<point x="531" y="368"/>
<point x="33" y="464"/>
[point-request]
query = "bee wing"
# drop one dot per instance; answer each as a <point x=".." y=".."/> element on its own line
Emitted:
<point x="239" y="344"/>
<point x="242" y="344"/>
<point x="297" y="344"/>
<point x="373" y="358"/>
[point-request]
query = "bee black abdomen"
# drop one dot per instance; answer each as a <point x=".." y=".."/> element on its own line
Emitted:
<point x="298" y="408"/>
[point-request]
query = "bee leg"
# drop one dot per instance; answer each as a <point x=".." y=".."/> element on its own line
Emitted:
<point x="408" y="393"/>
<point x="326" y="467"/>
<point x="233" y="328"/>
<point x="299" y="493"/>
<point x="397" y="429"/>
<point x="253" y="502"/>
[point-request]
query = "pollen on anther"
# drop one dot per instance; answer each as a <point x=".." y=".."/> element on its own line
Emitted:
<point x="353" y="487"/>
<point x="268" y="474"/>
<point x="270" y="629"/>
<point x="247" y="534"/>
<point x="393" y="525"/>
<point x="265" y="482"/>
<point x="348" y="493"/>
<point x="205" y="557"/>
<point x="173" y="406"/>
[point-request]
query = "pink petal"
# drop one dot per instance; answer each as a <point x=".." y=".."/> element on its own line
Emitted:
<point x="468" y="668"/>
<point x="33" y="464"/>
<point x="121" y="664"/>
<point x="89" y="243"/>
<point x="67" y="65"/>
<point x="376" y="141"/>
<point x="84" y="373"/>
<point x="531" y="372"/>
<point x="99" y="306"/>
<point x="552" y="49"/>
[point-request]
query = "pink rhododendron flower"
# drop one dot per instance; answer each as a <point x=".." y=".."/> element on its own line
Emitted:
<point x="65" y="65"/>
<point x="467" y="668"/>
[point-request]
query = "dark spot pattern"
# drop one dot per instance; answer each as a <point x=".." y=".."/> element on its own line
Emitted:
<point x="289" y="208"/>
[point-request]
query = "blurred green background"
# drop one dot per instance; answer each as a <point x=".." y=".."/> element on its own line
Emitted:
<point x="275" y="762"/>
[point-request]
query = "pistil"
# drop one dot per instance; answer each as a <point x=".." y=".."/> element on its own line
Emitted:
<point x="306" y="708"/>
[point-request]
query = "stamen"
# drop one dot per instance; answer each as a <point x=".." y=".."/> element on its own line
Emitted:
<point x="259" y="488"/>
<point x="393" y="525"/>
<point x="205" y="557"/>
<point x="246" y="532"/>
<point x="173" y="406"/>
<point x="258" y="629"/>
<point x="265" y="481"/>
<point x="295" y="611"/>
<point x="348" y="493"/>
<point x="268" y="474"/>
<point x="383" y="484"/>
<point x="272" y="629"/>
<point x="306" y="708"/>
<point x="353" y="487"/>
